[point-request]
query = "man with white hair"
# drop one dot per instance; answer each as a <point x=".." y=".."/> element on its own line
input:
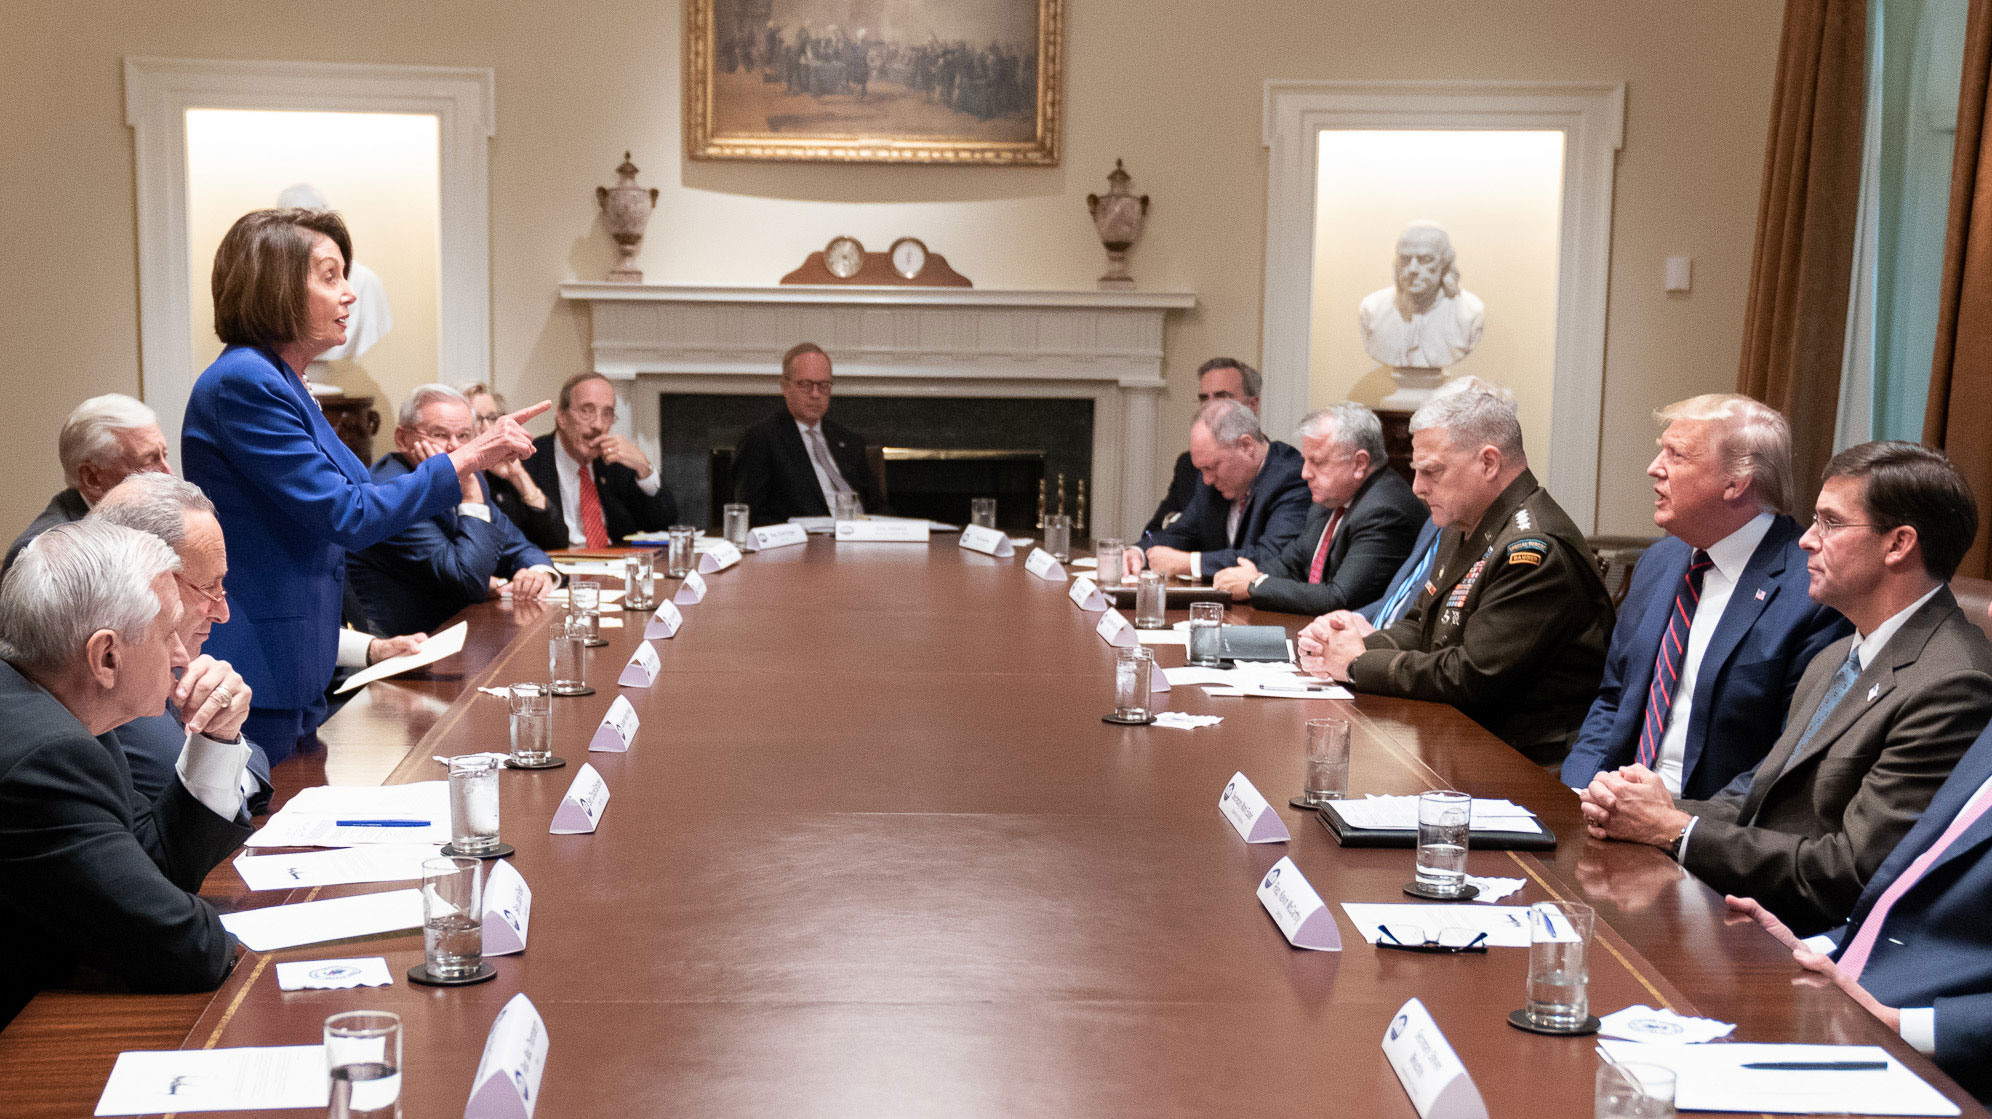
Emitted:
<point x="1511" y="626"/>
<point x="1251" y="502"/>
<point x="106" y="438"/>
<point x="91" y="874"/>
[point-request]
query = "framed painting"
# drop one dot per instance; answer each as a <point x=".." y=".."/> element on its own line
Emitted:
<point x="874" y="81"/>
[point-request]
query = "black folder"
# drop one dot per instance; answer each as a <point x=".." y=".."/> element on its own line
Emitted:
<point x="1481" y="839"/>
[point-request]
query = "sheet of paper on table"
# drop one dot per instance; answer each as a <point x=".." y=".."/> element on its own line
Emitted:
<point x="1162" y="637"/>
<point x="605" y="594"/>
<point x="385" y="863"/>
<point x="314" y="922"/>
<point x="311" y="818"/>
<point x="1084" y="561"/>
<point x="1317" y="690"/>
<point x="263" y="1078"/>
<point x="816" y="526"/>
<point x="1712" y="1078"/>
<point x="1401" y="813"/>
<point x="1506" y="926"/>
<point x="445" y="644"/>
<point x="333" y="975"/>
<point x="589" y="567"/>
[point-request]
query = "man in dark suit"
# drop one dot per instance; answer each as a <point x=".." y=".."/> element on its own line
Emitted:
<point x="1251" y="502"/>
<point x="90" y="873"/>
<point x="606" y="487"/>
<point x="428" y="571"/>
<point x="1878" y="721"/>
<point x="1383" y="611"/>
<point x="1360" y="528"/>
<point x="795" y="462"/>
<point x="1220" y="378"/>
<point x="1717" y="628"/>
<point x="105" y="439"/>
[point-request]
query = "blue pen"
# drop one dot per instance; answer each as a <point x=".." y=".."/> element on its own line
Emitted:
<point x="382" y="823"/>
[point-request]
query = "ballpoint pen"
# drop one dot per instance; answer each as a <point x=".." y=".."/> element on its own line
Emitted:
<point x="382" y="823"/>
<point x="1817" y="1066"/>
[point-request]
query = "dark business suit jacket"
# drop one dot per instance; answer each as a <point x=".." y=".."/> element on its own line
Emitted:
<point x="90" y="873"/>
<point x="1275" y="513"/>
<point x="1183" y="483"/>
<point x="1375" y="536"/>
<point x="1804" y="840"/>
<point x="62" y="509"/>
<point x="1428" y="532"/>
<point x="626" y="509"/>
<point x="418" y="577"/>
<point x="1769" y="633"/>
<point x="772" y="474"/>
<point x="546" y="528"/>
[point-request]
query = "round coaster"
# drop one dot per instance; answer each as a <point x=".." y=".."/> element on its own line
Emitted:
<point x="1304" y="804"/>
<point x="597" y="643"/>
<point x="637" y="607"/>
<point x="1520" y="1020"/>
<point x="1118" y="721"/>
<point x="549" y="763"/>
<point x="420" y="974"/>
<point x="1466" y="893"/>
<point x="584" y="689"/>
<point x="498" y="852"/>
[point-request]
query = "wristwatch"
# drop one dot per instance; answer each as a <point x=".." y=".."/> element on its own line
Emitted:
<point x="1674" y="848"/>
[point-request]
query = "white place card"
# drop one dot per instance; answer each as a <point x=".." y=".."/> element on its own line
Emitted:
<point x="886" y="530"/>
<point x="1300" y="913"/>
<point x="641" y="671"/>
<point x="508" y="909"/>
<point x="508" y="1075"/>
<point x="663" y="622"/>
<point x="1114" y="630"/>
<point x="581" y="809"/>
<point x="988" y="541"/>
<point x="719" y="557"/>
<point x="1426" y="1065"/>
<point x="1043" y="565"/>
<point x="776" y="536"/>
<point x="618" y="729"/>
<point x="1085" y="594"/>
<point x="691" y="592"/>
<point x="1254" y="819"/>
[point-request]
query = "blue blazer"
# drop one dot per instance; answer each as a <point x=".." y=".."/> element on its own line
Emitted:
<point x="292" y="501"/>
<point x="1752" y="666"/>
<point x="1427" y="533"/>
<point x="1276" y="513"/>
<point x="435" y="567"/>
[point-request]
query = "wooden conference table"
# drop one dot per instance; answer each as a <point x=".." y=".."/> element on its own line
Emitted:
<point x="874" y="853"/>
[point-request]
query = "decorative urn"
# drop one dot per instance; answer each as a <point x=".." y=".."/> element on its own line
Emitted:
<point x="1118" y="215"/>
<point x="626" y="209"/>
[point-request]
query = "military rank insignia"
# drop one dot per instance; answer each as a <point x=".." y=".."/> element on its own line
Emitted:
<point x="1529" y="551"/>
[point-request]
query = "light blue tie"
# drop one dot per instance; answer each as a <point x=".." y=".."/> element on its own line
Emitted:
<point x="1842" y="680"/>
<point x="1408" y="589"/>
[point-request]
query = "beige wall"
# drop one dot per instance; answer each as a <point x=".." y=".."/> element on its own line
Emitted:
<point x="1172" y="86"/>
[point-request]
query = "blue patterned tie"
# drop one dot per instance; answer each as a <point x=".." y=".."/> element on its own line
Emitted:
<point x="1842" y="680"/>
<point x="1408" y="589"/>
<point x="1667" y="661"/>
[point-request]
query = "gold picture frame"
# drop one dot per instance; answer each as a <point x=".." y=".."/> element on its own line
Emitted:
<point x="781" y="80"/>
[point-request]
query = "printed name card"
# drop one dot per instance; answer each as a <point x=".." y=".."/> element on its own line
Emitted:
<point x="641" y="671"/>
<point x="1114" y="630"/>
<point x="664" y="622"/>
<point x="1298" y="910"/>
<point x="508" y="909"/>
<point x="508" y="1075"/>
<point x="776" y="536"/>
<point x="618" y="728"/>
<point x="1041" y="564"/>
<point x="691" y="592"/>
<point x="1428" y="1068"/>
<point x="988" y="541"/>
<point x="581" y="809"/>
<point x="889" y="530"/>
<point x="720" y="557"/>
<point x="1085" y="594"/>
<point x="1249" y="813"/>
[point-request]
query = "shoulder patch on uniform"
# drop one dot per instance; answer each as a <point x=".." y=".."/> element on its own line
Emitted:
<point x="1522" y="520"/>
<point x="1529" y="550"/>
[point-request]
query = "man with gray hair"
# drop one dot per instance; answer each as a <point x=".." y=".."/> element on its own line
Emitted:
<point x="1251" y="502"/>
<point x="1220" y="378"/>
<point x="435" y="567"/>
<point x="105" y="439"/>
<point x="91" y="874"/>
<point x="1511" y="627"/>
<point x="1361" y="527"/>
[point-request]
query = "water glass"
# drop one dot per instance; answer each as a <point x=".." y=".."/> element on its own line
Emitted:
<point x="452" y="917"/>
<point x="1148" y="600"/>
<point x="363" y="1059"/>
<point x="849" y="507"/>
<point x="1206" y="633"/>
<point x="1559" y="934"/>
<point x="474" y="796"/>
<point x="637" y="575"/>
<point x="1444" y="820"/>
<point x="982" y="512"/>
<point x="1327" y="760"/>
<point x="567" y="655"/>
<point x="1058" y="536"/>
<point x="532" y="724"/>
<point x="1134" y="671"/>
<point x="1107" y="551"/>
<point x="678" y="561"/>
<point x="1634" y="1090"/>
<point x="584" y="602"/>
<point x="734" y="523"/>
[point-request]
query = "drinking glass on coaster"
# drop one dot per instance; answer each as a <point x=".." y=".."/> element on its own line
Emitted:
<point x="452" y="925"/>
<point x="734" y="521"/>
<point x="1444" y="820"/>
<point x="567" y="656"/>
<point x="474" y="808"/>
<point x="532" y="732"/>
<point x="1634" y="1090"/>
<point x="1058" y="536"/>
<point x="1107" y="551"/>
<point x="1148" y="599"/>
<point x="849" y="507"/>
<point x="1559" y="938"/>
<point x="1206" y="633"/>
<point x="1134" y="671"/>
<point x="637" y="575"/>
<point x="363" y="1058"/>
<point x="1327" y="763"/>
<point x="584" y="600"/>
<point x="982" y="512"/>
<point x="678" y="559"/>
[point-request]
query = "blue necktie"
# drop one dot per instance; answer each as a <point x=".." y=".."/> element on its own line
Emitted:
<point x="1842" y="680"/>
<point x="1408" y="590"/>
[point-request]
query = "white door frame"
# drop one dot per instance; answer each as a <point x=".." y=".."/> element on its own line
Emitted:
<point x="1591" y="116"/>
<point x="158" y="93"/>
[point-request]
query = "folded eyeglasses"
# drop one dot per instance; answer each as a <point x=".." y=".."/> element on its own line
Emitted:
<point x="1416" y="938"/>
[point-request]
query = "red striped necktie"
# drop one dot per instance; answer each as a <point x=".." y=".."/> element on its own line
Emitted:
<point x="1321" y="552"/>
<point x="592" y="528"/>
<point x="1667" y="663"/>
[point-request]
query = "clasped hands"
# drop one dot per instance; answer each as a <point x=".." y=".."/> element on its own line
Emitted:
<point x="1331" y="642"/>
<point x="212" y="699"/>
<point x="1631" y="804"/>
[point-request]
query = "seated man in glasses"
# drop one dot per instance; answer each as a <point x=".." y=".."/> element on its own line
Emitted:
<point x="607" y="487"/>
<point x="796" y="462"/>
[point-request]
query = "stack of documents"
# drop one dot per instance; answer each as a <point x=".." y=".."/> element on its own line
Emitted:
<point x="338" y="867"/>
<point x="445" y="644"/>
<point x="350" y="815"/>
<point x="1401" y="814"/>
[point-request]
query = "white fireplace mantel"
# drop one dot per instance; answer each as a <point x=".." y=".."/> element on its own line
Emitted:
<point x="1105" y="346"/>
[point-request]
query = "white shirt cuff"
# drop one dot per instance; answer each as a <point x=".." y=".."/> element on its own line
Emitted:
<point x="1919" y="1028"/>
<point x="475" y="509"/>
<point x="1681" y="853"/>
<point x="1196" y="565"/>
<point x="213" y="772"/>
<point x="551" y="572"/>
<point x="1823" y="944"/>
<point x="650" y="485"/>
<point x="353" y="646"/>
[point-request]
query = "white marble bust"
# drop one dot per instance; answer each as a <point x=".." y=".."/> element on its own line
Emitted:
<point x="1423" y="321"/>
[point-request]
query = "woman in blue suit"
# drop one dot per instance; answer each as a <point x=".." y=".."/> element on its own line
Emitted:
<point x="292" y="499"/>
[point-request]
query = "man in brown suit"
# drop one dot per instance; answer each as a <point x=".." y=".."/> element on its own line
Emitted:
<point x="1878" y="719"/>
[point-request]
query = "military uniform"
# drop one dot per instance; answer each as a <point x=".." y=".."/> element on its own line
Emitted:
<point x="1511" y="628"/>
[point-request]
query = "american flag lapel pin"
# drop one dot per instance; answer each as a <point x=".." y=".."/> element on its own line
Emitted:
<point x="1760" y="594"/>
<point x="1873" y="692"/>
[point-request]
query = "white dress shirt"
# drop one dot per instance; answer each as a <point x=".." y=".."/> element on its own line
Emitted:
<point x="568" y="470"/>
<point x="1728" y="557"/>
<point x="216" y="773"/>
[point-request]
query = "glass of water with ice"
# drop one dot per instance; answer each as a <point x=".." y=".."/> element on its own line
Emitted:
<point x="1206" y="636"/>
<point x="452" y="918"/>
<point x="363" y="1058"/>
<point x="1559" y="935"/>
<point x="1444" y="820"/>
<point x="473" y="804"/>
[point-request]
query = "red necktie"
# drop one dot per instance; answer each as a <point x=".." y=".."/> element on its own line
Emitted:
<point x="591" y="510"/>
<point x="1667" y="662"/>
<point x="1321" y="553"/>
<point x="1855" y="957"/>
